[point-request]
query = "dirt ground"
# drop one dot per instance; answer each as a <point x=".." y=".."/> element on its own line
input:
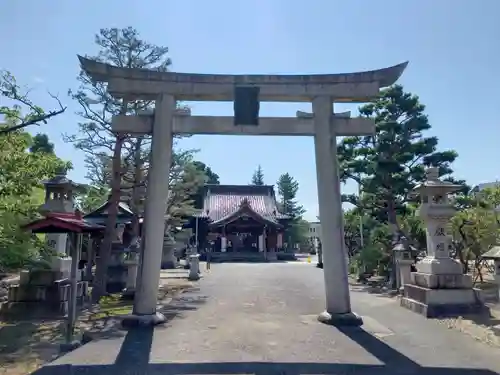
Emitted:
<point x="27" y="345"/>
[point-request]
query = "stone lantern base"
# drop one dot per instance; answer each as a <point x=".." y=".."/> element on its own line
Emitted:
<point x="438" y="294"/>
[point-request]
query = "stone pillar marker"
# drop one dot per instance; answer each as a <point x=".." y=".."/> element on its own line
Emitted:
<point x="194" y="267"/>
<point x="338" y="303"/>
<point x="154" y="221"/>
<point x="404" y="260"/>
<point x="439" y="288"/>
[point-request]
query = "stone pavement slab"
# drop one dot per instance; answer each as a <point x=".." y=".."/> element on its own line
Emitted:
<point x="261" y="319"/>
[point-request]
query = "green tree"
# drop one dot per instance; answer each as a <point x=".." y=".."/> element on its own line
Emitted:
<point x="21" y="194"/>
<point x="288" y="188"/>
<point x="18" y="99"/>
<point x="258" y="177"/>
<point x="390" y="163"/>
<point x="93" y="197"/>
<point x="412" y="225"/>
<point x="287" y="192"/>
<point x="352" y="230"/>
<point x="476" y="229"/>
<point x="185" y="181"/>
<point x="210" y="177"/>
<point x="41" y="143"/>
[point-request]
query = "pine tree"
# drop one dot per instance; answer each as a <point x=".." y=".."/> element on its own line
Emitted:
<point x="119" y="160"/>
<point x="258" y="177"/>
<point x="287" y="192"/>
<point x="41" y="143"/>
<point x="389" y="164"/>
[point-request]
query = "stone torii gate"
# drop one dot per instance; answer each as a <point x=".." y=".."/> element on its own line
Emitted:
<point x="165" y="88"/>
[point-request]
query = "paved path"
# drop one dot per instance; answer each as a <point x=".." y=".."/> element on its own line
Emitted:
<point x="261" y="319"/>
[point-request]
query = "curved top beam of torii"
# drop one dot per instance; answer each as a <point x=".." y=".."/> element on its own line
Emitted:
<point x="135" y="83"/>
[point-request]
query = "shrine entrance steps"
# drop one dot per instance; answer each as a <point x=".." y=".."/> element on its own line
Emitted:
<point x="251" y="257"/>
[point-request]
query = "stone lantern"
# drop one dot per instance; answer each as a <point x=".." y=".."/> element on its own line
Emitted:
<point x="403" y="256"/>
<point x="439" y="288"/>
<point x="59" y="201"/>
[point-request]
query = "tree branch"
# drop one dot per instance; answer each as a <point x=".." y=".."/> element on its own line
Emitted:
<point x="32" y="119"/>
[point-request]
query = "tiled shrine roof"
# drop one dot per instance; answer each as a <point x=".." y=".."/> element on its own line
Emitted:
<point x="225" y="202"/>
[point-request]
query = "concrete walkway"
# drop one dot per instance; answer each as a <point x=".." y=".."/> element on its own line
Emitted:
<point x="261" y="319"/>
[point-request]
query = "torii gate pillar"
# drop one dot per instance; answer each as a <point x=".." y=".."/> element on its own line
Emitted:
<point x="338" y="304"/>
<point x="148" y="276"/>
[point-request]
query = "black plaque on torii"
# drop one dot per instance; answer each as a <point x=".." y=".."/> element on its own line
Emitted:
<point x="246" y="105"/>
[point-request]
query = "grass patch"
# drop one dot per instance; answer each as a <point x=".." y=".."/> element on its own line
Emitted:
<point x="111" y="306"/>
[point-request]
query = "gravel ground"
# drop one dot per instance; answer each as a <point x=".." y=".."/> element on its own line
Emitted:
<point x="261" y="319"/>
<point x="485" y="330"/>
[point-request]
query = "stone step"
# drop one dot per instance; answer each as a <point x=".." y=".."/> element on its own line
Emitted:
<point x="237" y="257"/>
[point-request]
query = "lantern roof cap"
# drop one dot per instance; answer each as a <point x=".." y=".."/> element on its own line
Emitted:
<point x="60" y="180"/>
<point x="433" y="183"/>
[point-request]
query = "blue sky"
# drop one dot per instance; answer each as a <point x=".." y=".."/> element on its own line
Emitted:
<point x="452" y="47"/>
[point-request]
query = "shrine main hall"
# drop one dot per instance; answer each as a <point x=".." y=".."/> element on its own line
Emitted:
<point x="240" y="221"/>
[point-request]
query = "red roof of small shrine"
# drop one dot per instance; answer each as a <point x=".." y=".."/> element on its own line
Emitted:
<point x="63" y="223"/>
<point x="226" y="202"/>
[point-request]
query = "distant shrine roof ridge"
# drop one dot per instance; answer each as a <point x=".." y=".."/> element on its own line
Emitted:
<point x="239" y="189"/>
<point x="103" y="72"/>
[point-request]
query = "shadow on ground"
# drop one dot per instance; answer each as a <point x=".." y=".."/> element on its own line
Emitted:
<point x="27" y="344"/>
<point x="376" y="286"/>
<point x="133" y="358"/>
<point x="19" y="340"/>
<point x="172" y="303"/>
<point x="188" y="301"/>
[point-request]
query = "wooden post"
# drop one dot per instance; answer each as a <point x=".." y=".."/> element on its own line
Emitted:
<point x="75" y="253"/>
<point x="264" y="235"/>
<point x="90" y="258"/>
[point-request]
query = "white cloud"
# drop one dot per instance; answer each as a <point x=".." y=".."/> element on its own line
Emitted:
<point x="38" y="80"/>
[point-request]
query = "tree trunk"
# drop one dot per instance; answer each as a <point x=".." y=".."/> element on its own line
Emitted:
<point x="99" y="285"/>
<point x="393" y="224"/>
